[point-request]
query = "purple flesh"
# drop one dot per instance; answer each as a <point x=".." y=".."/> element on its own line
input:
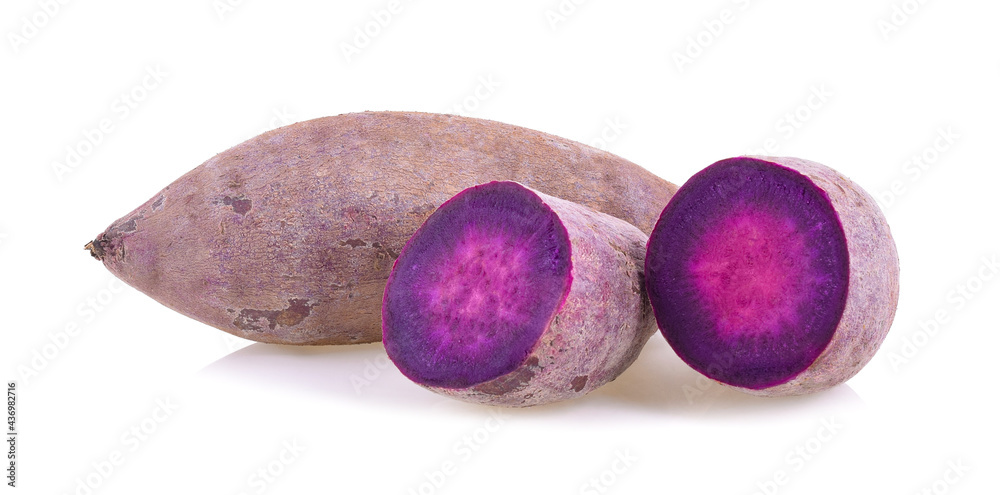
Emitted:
<point x="476" y="286"/>
<point x="747" y="271"/>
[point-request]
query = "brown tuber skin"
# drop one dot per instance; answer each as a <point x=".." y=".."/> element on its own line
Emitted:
<point x="873" y="289"/>
<point x="289" y="237"/>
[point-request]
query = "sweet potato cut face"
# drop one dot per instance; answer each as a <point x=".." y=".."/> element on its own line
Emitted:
<point x="751" y="271"/>
<point x="506" y="296"/>
<point x="475" y="290"/>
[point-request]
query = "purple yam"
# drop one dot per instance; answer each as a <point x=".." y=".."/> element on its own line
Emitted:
<point x="776" y="276"/>
<point x="507" y="296"/>
<point x="288" y="238"/>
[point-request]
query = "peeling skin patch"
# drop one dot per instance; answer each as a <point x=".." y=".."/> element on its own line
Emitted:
<point x="353" y="243"/>
<point x="126" y="226"/>
<point x="384" y="252"/>
<point x="578" y="383"/>
<point x="256" y="320"/>
<point x="512" y="382"/>
<point x="157" y="204"/>
<point x="423" y="210"/>
<point x="240" y="204"/>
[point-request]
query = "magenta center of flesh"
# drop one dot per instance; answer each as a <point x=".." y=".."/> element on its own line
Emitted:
<point x="747" y="271"/>
<point x="475" y="287"/>
<point x="752" y="273"/>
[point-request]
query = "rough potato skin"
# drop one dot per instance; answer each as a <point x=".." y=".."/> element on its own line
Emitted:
<point x="289" y="237"/>
<point x="602" y="324"/>
<point x="873" y="287"/>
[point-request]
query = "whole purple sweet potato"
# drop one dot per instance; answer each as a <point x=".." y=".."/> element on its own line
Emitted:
<point x="777" y="276"/>
<point x="507" y="296"/>
<point x="289" y="237"/>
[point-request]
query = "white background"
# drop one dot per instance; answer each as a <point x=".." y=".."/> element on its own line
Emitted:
<point x="142" y="400"/>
